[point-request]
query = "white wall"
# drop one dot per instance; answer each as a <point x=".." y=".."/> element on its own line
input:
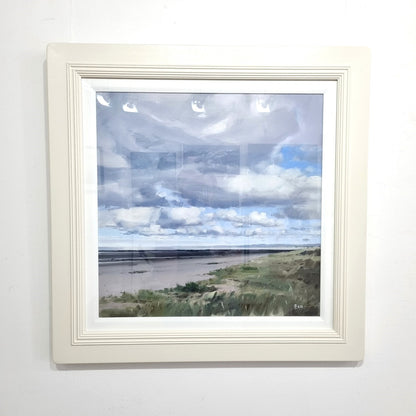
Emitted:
<point x="384" y="384"/>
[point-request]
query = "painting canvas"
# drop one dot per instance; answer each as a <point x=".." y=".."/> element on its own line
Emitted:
<point x="209" y="204"/>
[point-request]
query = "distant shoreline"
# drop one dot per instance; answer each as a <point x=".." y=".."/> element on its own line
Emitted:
<point x="121" y="256"/>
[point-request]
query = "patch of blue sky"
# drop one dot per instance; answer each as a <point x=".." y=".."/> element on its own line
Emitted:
<point x="306" y="158"/>
<point x="115" y="238"/>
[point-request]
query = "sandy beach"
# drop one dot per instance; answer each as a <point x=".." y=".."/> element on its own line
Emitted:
<point x="157" y="274"/>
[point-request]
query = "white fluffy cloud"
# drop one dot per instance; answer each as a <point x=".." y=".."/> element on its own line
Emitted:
<point x="186" y="220"/>
<point x="185" y="215"/>
<point x="253" y="218"/>
<point x="150" y="220"/>
<point x="261" y="218"/>
<point x="129" y="219"/>
<point x="274" y="185"/>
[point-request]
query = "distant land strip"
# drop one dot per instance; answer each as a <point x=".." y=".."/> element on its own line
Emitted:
<point x="132" y="255"/>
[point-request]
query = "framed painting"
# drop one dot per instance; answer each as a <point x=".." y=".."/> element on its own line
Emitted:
<point x="207" y="203"/>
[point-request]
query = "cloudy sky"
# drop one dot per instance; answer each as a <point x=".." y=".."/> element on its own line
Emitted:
<point x="202" y="170"/>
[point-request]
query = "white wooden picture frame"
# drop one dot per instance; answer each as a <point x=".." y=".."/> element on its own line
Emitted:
<point x="77" y="73"/>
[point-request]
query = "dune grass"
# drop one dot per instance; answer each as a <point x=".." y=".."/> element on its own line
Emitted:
<point x="281" y="284"/>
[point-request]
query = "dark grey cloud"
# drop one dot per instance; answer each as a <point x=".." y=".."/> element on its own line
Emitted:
<point x="262" y="153"/>
<point x="212" y="159"/>
<point x="157" y="161"/>
<point x="167" y="119"/>
<point x="306" y="211"/>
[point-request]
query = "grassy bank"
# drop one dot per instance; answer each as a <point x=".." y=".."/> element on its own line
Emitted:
<point x="283" y="284"/>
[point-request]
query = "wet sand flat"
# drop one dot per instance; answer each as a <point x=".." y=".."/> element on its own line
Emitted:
<point x="155" y="274"/>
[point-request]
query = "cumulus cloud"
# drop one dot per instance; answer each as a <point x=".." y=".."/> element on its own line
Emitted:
<point x="253" y="218"/>
<point x="186" y="220"/>
<point x="184" y="215"/>
<point x="274" y="186"/>
<point x="261" y="218"/>
<point x="229" y="215"/>
<point x="118" y="193"/>
<point x="148" y="219"/>
<point x="129" y="219"/>
<point x="307" y="211"/>
<point x="208" y="164"/>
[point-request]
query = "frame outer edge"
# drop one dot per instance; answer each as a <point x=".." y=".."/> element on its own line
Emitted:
<point x="357" y="209"/>
<point x="59" y="203"/>
<point x="191" y="55"/>
<point x="59" y="55"/>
